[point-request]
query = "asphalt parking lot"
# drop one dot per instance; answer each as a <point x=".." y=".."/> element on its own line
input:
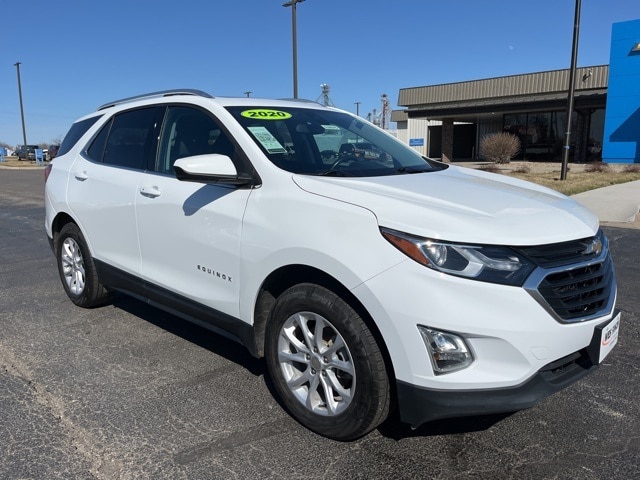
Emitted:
<point x="130" y="392"/>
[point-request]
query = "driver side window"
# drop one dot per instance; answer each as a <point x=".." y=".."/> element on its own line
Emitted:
<point x="188" y="132"/>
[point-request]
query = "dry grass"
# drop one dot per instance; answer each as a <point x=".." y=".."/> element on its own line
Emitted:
<point x="15" y="163"/>
<point x="490" y="167"/>
<point x="581" y="177"/>
<point x="522" y="169"/>
<point x="577" y="182"/>
<point x="597" y="167"/>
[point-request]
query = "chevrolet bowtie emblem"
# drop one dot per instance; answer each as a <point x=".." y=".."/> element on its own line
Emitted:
<point x="594" y="247"/>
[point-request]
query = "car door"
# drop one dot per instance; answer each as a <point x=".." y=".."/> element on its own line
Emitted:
<point x="190" y="232"/>
<point x="103" y="184"/>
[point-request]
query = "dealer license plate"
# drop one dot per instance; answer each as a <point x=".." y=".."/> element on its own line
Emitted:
<point x="609" y="337"/>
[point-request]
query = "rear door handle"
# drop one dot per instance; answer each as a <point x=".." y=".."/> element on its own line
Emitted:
<point x="150" y="192"/>
<point x="81" y="175"/>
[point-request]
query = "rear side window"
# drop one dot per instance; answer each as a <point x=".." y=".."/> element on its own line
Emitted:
<point x="128" y="140"/>
<point x="76" y="131"/>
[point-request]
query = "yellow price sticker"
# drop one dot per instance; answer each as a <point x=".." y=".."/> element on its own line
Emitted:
<point x="265" y="114"/>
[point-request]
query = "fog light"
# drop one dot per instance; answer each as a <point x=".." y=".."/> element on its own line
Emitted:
<point x="448" y="352"/>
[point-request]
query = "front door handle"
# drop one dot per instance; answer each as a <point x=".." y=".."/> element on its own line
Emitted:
<point x="150" y="192"/>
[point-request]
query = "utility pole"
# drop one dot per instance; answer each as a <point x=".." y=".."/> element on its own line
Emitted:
<point x="292" y="4"/>
<point x="386" y="111"/>
<point x="572" y="76"/>
<point x="24" y="130"/>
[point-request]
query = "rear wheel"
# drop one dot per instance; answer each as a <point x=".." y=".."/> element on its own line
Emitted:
<point x="77" y="270"/>
<point x="326" y="364"/>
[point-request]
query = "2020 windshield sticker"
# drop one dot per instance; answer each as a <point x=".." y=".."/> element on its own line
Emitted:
<point x="266" y="114"/>
<point x="268" y="141"/>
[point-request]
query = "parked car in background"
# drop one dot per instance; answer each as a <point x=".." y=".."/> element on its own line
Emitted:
<point x="52" y="151"/>
<point x="26" y="152"/>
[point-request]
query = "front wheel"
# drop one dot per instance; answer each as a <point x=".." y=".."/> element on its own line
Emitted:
<point x="325" y="364"/>
<point x="77" y="269"/>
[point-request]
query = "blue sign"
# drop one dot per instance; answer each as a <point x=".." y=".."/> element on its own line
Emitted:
<point x="416" y="142"/>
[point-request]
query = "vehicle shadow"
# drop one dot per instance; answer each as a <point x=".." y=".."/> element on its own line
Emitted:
<point x="392" y="428"/>
<point x="212" y="341"/>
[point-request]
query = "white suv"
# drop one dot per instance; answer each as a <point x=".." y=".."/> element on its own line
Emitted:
<point x="370" y="278"/>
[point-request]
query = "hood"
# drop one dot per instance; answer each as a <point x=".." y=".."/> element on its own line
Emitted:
<point x="462" y="205"/>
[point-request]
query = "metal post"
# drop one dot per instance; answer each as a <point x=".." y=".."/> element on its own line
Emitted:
<point x="292" y="4"/>
<point x="357" y="108"/>
<point x="572" y="76"/>
<point x="24" y="131"/>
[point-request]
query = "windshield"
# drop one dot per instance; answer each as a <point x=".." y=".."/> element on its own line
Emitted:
<point x="330" y="143"/>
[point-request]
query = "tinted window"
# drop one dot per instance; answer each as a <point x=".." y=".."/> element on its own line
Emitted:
<point x="96" y="150"/>
<point x="131" y="138"/>
<point x="76" y="131"/>
<point x="188" y="132"/>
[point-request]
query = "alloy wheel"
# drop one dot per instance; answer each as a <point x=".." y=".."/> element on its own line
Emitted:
<point x="316" y="364"/>
<point x="73" y="266"/>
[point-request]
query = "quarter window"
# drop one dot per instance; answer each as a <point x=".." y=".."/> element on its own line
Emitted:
<point x="76" y="131"/>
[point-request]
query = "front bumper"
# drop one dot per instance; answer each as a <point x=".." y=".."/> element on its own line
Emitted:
<point x="418" y="405"/>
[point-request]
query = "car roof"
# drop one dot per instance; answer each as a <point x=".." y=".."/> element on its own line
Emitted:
<point x="188" y="95"/>
<point x="191" y="93"/>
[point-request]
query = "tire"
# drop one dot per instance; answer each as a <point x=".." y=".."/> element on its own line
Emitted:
<point x="325" y="364"/>
<point x="77" y="269"/>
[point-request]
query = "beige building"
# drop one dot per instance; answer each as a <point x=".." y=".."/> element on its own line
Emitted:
<point x="448" y="121"/>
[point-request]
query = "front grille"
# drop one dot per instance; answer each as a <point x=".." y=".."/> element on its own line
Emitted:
<point x="567" y="370"/>
<point x="579" y="292"/>
<point x="574" y="281"/>
<point x="564" y="253"/>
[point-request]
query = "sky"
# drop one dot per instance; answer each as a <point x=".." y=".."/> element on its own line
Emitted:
<point x="78" y="54"/>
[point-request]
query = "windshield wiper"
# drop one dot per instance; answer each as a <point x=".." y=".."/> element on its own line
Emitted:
<point x="334" y="173"/>
<point x="413" y="169"/>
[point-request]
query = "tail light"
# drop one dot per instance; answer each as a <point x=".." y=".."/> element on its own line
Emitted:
<point x="47" y="171"/>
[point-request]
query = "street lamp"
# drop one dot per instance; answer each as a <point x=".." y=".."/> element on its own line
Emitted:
<point x="292" y="4"/>
<point x="24" y="131"/>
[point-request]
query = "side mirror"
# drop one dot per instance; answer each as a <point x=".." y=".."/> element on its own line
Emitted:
<point x="210" y="168"/>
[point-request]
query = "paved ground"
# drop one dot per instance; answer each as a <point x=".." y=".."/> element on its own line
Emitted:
<point x="129" y="392"/>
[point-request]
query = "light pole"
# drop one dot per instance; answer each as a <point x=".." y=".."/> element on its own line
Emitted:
<point x="292" y="4"/>
<point x="357" y="104"/>
<point x="24" y="131"/>
<point x="572" y="76"/>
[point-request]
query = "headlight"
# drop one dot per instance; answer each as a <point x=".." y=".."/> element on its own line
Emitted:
<point x="486" y="263"/>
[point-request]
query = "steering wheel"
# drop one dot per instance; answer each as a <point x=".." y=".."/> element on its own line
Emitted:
<point x="345" y="159"/>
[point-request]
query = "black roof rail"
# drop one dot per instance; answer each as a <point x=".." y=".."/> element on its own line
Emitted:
<point x="301" y="100"/>
<point x="162" y="93"/>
